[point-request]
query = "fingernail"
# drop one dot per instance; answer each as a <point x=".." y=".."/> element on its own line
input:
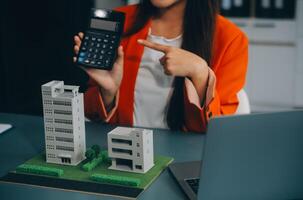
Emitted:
<point x="139" y="41"/>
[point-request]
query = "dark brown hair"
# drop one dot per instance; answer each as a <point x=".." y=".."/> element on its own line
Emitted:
<point x="198" y="34"/>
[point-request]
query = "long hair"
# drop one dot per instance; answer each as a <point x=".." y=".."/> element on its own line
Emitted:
<point x="199" y="24"/>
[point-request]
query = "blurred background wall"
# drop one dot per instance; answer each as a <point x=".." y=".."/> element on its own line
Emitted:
<point x="36" y="46"/>
<point x="275" y="31"/>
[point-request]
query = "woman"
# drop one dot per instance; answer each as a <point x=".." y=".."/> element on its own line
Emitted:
<point x="179" y="64"/>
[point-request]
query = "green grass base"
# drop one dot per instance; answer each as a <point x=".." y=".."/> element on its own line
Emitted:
<point x="77" y="173"/>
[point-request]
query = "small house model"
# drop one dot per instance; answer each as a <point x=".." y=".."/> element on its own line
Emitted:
<point x="63" y="123"/>
<point x="131" y="149"/>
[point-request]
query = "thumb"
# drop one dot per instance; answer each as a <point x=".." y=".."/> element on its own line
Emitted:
<point x="118" y="65"/>
<point x="120" y="57"/>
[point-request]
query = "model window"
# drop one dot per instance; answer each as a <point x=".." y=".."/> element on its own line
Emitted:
<point x="124" y="151"/>
<point x="51" y="155"/>
<point x="49" y="129"/>
<point x="50" y="146"/>
<point x="63" y="130"/>
<point x="48" y="120"/>
<point x="121" y="141"/>
<point x="62" y="103"/>
<point x="122" y="163"/>
<point x="65" y="160"/>
<point x="62" y="112"/>
<point x="48" y="93"/>
<point x="65" y="148"/>
<point x="63" y="121"/>
<point x="138" y="166"/>
<point x="63" y="139"/>
<point x="50" y="138"/>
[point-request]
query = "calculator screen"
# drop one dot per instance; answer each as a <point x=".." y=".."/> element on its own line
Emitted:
<point x="103" y="24"/>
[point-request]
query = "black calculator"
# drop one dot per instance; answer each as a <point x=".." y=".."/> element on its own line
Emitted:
<point x="101" y="40"/>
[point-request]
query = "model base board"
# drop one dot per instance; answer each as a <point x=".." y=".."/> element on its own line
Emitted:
<point x="76" y="179"/>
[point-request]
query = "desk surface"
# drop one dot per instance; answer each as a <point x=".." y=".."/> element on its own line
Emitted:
<point x="26" y="139"/>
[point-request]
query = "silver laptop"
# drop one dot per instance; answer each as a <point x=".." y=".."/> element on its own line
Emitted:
<point x="258" y="156"/>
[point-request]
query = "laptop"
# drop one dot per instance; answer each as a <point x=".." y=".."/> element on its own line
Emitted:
<point x="257" y="156"/>
<point x="4" y="127"/>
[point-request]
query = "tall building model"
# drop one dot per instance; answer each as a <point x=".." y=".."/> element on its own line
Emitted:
<point x="63" y="123"/>
<point x="131" y="149"/>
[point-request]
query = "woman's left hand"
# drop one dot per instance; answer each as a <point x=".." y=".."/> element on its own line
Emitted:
<point x="179" y="62"/>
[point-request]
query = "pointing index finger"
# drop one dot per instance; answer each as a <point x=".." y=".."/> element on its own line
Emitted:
<point x="153" y="45"/>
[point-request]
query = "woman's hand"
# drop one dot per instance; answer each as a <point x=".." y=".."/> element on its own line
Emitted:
<point x="179" y="62"/>
<point x="108" y="81"/>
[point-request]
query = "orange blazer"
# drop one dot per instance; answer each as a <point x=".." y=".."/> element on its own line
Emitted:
<point x="229" y="65"/>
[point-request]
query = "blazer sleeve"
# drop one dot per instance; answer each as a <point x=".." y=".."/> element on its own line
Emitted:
<point x="227" y="79"/>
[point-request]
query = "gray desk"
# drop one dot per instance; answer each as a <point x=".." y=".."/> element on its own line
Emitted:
<point x="26" y="139"/>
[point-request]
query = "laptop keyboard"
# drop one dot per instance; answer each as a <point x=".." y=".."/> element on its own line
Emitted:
<point x="194" y="184"/>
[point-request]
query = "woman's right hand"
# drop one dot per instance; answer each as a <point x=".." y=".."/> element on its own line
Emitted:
<point x="108" y="81"/>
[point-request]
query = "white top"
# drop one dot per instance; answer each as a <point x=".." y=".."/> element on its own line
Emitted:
<point x="153" y="87"/>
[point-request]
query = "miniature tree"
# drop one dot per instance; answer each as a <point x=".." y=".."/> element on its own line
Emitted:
<point x="105" y="157"/>
<point x="97" y="149"/>
<point x="90" y="154"/>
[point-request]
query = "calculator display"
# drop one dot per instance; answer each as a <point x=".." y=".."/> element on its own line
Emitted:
<point x="102" y="24"/>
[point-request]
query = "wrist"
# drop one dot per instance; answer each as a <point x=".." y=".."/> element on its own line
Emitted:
<point x="108" y="97"/>
<point x="199" y="72"/>
<point x="199" y="79"/>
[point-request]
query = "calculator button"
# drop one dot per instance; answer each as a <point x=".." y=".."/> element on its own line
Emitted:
<point x="107" y="36"/>
<point x="98" y="45"/>
<point x="90" y="50"/>
<point x="93" y="62"/>
<point x="114" y="37"/>
<point x="94" y="39"/>
<point x="111" y="47"/>
<point x="83" y="48"/>
<point x="89" y="55"/>
<point x="99" y="39"/>
<point x="92" y="44"/>
<point x="82" y="54"/>
<point x="113" y="42"/>
<point x="80" y="59"/>
<point x="109" y="53"/>
<point x="102" y="52"/>
<point x="100" y="57"/>
<point x="107" y="62"/>
<point x="104" y="46"/>
<point x="105" y="40"/>
<point x="99" y="63"/>
<point x="86" y="37"/>
<point x="87" y="61"/>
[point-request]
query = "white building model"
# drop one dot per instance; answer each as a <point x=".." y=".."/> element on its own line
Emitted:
<point x="63" y="123"/>
<point x="131" y="149"/>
